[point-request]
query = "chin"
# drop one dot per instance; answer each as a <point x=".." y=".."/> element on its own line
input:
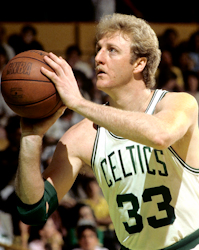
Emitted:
<point x="103" y="85"/>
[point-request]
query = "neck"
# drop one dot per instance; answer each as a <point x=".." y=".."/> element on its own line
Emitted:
<point x="135" y="98"/>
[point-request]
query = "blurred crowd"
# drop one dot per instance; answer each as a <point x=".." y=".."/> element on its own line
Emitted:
<point x="82" y="220"/>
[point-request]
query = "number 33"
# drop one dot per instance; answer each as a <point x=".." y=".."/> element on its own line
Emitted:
<point x="153" y="222"/>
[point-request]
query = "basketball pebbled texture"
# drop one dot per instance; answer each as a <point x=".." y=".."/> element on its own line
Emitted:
<point x="25" y="89"/>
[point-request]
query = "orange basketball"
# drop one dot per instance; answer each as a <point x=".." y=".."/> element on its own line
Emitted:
<point x="25" y="89"/>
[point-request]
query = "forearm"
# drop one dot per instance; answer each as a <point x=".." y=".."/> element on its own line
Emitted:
<point x="135" y="126"/>
<point x="29" y="182"/>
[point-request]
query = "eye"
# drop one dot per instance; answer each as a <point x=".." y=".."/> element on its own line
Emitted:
<point x="112" y="50"/>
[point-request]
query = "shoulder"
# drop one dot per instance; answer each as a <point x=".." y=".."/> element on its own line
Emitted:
<point x="178" y="95"/>
<point x="179" y="106"/>
<point x="81" y="130"/>
<point x="80" y="139"/>
<point x="178" y="100"/>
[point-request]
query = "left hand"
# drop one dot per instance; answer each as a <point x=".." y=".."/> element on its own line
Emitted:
<point x="64" y="80"/>
<point x="39" y="126"/>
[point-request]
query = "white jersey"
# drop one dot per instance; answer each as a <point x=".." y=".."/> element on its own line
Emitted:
<point x="153" y="195"/>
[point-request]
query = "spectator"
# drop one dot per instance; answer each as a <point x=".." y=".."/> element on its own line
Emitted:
<point x="73" y="57"/>
<point x="68" y="119"/>
<point x="26" y="40"/>
<point x="167" y="80"/>
<point x="85" y="84"/>
<point x="9" y="162"/>
<point x="3" y="59"/>
<point x="24" y="235"/>
<point x="185" y="62"/>
<point x="87" y="237"/>
<point x="192" y="84"/>
<point x="97" y="202"/>
<point x="10" y="53"/>
<point x="169" y="41"/>
<point x="5" y="111"/>
<point x="9" y="156"/>
<point x="48" y="237"/>
<point x="194" y="50"/>
<point x="83" y="213"/>
<point x="167" y="64"/>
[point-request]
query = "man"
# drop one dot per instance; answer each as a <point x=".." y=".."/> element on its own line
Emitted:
<point x="144" y="152"/>
<point x="87" y="237"/>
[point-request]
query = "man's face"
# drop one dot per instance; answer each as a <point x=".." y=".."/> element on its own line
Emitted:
<point x="88" y="240"/>
<point x="113" y="67"/>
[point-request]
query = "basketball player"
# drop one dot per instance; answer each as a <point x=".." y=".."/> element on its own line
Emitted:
<point x="143" y="151"/>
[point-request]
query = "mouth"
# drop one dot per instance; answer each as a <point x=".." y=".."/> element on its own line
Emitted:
<point x="100" y="71"/>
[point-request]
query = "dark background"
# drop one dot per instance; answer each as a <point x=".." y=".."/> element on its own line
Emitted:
<point x="82" y="10"/>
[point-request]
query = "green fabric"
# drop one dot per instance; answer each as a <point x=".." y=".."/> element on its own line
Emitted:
<point x="187" y="243"/>
<point x="35" y="214"/>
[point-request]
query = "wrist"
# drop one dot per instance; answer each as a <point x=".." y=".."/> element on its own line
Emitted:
<point x="82" y="106"/>
<point x="31" y="139"/>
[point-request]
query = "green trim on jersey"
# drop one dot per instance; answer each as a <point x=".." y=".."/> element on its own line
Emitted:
<point x="186" y="243"/>
<point x="95" y="148"/>
<point x="164" y="92"/>
<point x="159" y="94"/>
<point x="113" y="164"/>
<point x="184" y="164"/>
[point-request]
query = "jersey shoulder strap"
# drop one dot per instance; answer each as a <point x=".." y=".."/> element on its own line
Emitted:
<point x="157" y="96"/>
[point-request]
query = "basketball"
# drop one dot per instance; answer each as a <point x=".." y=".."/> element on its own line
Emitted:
<point x="26" y="90"/>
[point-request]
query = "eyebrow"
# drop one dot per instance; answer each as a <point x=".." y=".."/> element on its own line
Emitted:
<point x="98" y="45"/>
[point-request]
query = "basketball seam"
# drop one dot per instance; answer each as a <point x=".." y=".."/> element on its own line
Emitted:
<point x="27" y="104"/>
<point x="27" y="80"/>
<point x="53" y="108"/>
<point x="30" y="58"/>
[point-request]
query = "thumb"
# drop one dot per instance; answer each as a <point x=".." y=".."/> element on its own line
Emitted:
<point x="54" y="117"/>
<point x="59" y="112"/>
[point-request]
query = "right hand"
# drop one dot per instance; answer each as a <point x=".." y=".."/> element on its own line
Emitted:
<point x="64" y="80"/>
<point x="39" y="126"/>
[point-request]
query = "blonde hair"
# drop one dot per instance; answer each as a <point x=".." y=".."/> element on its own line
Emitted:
<point x="144" y="41"/>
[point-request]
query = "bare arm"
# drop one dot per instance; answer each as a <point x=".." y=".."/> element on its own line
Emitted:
<point x="176" y="113"/>
<point x="66" y="163"/>
<point x="29" y="182"/>
<point x="28" y="178"/>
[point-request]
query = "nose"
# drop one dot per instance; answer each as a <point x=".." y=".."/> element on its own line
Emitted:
<point x="100" y="57"/>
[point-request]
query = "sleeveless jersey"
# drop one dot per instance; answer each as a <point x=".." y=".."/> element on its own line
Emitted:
<point x="153" y="195"/>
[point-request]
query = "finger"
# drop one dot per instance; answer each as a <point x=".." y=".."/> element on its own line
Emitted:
<point x="61" y="110"/>
<point x="61" y="62"/>
<point x="54" y="62"/>
<point x="53" y="118"/>
<point x="51" y="75"/>
<point x="54" y="57"/>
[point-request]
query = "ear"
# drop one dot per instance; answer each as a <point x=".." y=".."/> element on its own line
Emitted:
<point x="139" y="65"/>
